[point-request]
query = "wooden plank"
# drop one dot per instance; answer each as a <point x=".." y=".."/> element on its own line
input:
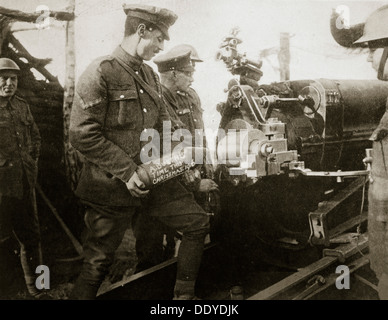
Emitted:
<point x="73" y="239"/>
<point x="294" y="279"/>
<point x="366" y="282"/>
<point x="145" y="273"/>
<point x="330" y="280"/>
<point x="348" y="224"/>
<point x="309" y="271"/>
<point x="138" y="276"/>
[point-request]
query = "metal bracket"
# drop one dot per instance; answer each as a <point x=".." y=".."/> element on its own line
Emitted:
<point x="319" y="230"/>
<point x="320" y="233"/>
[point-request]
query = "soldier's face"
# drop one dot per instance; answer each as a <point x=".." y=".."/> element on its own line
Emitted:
<point x="183" y="80"/>
<point x="375" y="57"/>
<point x="151" y="44"/>
<point x="8" y="83"/>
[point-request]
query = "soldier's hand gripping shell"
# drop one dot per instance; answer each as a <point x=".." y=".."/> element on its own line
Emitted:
<point x="136" y="187"/>
<point x="191" y="179"/>
<point x="207" y="185"/>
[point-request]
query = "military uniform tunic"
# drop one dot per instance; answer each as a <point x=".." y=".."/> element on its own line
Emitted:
<point x="19" y="147"/>
<point x="185" y="106"/>
<point x="110" y="111"/>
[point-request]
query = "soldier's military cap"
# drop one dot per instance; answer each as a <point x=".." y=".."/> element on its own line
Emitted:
<point x="183" y="48"/>
<point x="181" y="57"/>
<point x="160" y="17"/>
<point x="8" y="64"/>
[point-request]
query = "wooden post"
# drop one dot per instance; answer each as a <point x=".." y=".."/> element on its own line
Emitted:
<point x="284" y="56"/>
<point x="70" y="155"/>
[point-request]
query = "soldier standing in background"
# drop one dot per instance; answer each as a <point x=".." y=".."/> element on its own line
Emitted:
<point x="19" y="152"/>
<point x="375" y="33"/>
<point x="177" y="68"/>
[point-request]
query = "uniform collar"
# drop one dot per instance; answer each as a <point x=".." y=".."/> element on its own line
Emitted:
<point x="10" y="102"/>
<point x="131" y="61"/>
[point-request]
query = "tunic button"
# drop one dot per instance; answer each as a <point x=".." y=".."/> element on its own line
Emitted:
<point x="141" y="90"/>
<point x="137" y="72"/>
<point x="17" y="133"/>
<point x="144" y="109"/>
<point x="195" y="120"/>
<point x="20" y="145"/>
<point x="122" y="96"/>
<point x="11" y="164"/>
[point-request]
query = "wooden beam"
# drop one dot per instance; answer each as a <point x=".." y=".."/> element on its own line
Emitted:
<point x="73" y="239"/>
<point x="366" y="282"/>
<point x="22" y="52"/>
<point x="331" y="279"/>
<point x="4" y="30"/>
<point x="71" y="159"/>
<point x="32" y="17"/>
<point x="38" y="64"/>
<point x="305" y="273"/>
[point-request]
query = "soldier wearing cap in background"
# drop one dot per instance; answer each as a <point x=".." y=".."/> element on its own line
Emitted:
<point x="19" y="152"/>
<point x="375" y="34"/>
<point x="116" y="99"/>
<point x="176" y="69"/>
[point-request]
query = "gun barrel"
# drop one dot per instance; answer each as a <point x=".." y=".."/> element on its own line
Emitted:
<point x="257" y="64"/>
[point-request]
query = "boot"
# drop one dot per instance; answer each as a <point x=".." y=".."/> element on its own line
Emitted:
<point x="184" y="290"/>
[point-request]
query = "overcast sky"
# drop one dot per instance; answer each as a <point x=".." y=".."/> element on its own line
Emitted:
<point x="203" y="23"/>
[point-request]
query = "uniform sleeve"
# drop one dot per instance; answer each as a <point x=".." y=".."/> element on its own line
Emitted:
<point x="86" y="126"/>
<point x="35" y="137"/>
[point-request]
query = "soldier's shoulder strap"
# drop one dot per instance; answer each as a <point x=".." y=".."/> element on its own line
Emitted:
<point x="157" y="97"/>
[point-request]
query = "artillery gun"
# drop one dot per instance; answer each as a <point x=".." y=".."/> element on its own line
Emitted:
<point x="290" y="156"/>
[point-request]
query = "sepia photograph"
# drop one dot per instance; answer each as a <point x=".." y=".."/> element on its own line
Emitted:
<point x="159" y="150"/>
